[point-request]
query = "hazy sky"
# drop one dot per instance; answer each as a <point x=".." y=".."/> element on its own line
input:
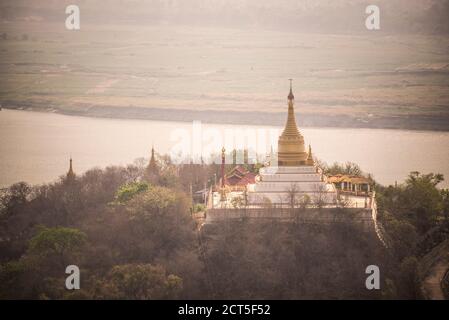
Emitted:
<point x="409" y="16"/>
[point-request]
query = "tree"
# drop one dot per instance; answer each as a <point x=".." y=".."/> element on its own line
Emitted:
<point x="168" y="178"/>
<point x="305" y="201"/>
<point x="422" y="200"/>
<point x="238" y="202"/>
<point x="418" y="201"/>
<point x="40" y="272"/>
<point x="157" y="200"/>
<point x="292" y="195"/>
<point x="445" y="195"/>
<point x="60" y="245"/>
<point x="320" y="196"/>
<point x="141" y="282"/>
<point x="129" y="190"/>
<point x="13" y="284"/>
<point x="160" y="219"/>
<point x="402" y="234"/>
<point x="14" y="198"/>
<point x="348" y="168"/>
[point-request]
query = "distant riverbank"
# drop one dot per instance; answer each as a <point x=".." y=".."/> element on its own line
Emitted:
<point x="228" y="76"/>
<point x="329" y="120"/>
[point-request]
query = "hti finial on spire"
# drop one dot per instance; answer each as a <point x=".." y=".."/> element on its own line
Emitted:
<point x="290" y="95"/>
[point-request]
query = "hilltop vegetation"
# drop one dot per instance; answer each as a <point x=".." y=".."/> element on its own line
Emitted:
<point x="415" y="217"/>
<point x="135" y="238"/>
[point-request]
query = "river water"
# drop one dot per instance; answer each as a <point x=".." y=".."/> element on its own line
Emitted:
<point x="36" y="147"/>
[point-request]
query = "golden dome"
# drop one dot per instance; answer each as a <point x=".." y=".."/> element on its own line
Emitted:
<point x="291" y="150"/>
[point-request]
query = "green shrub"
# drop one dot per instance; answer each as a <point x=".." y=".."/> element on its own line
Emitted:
<point x="128" y="191"/>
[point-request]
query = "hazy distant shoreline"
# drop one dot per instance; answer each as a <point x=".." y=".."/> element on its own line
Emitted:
<point x="415" y="122"/>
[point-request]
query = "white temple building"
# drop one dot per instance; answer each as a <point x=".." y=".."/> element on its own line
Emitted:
<point x="295" y="176"/>
<point x="277" y="185"/>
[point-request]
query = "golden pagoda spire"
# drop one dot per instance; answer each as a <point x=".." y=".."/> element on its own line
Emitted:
<point x="223" y="177"/>
<point x="152" y="160"/>
<point x="70" y="173"/>
<point x="290" y="127"/>
<point x="223" y="157"/>
<point x="310" y="161"/>
<point x="152" y="170"/>
<point x="290" y="95"/>
<point x="291" y="150"/>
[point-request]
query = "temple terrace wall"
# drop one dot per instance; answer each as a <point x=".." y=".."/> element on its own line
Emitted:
<point x="360" y="216"/>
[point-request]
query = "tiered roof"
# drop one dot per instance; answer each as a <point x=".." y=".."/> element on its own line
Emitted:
<point x="239" y="176"/>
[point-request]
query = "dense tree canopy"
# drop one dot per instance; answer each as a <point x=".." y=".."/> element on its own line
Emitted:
<point x="137" y="240"/>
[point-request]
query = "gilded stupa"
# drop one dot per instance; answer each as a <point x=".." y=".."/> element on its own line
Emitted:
<point x="291" y="149"/>
<point x="295" y="171"/>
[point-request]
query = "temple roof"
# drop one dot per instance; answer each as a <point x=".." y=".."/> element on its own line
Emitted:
<point x="239" y="176"/>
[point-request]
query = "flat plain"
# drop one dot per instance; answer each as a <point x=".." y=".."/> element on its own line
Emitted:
<point x="370" y="80"/>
